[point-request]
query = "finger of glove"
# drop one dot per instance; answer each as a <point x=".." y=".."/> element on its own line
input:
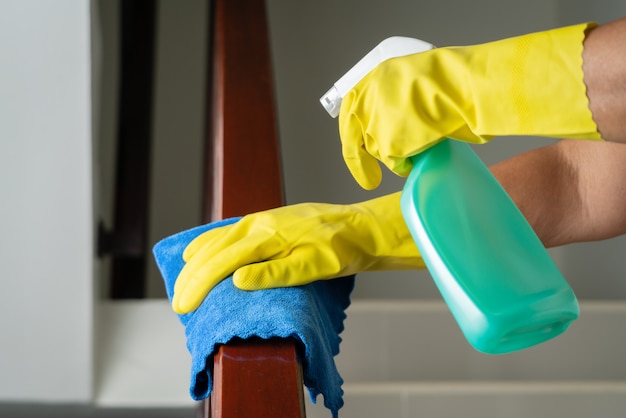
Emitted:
<point x="363" y="166"/>
<point x="210" y="245"/>
<point x="206" y="238"/>
<point x="210" y="262"/>
<point x="205" y="270"/>
<point x="207" y="246"/>
<point x="366" y="172"/>
<point x="300" y="267"/>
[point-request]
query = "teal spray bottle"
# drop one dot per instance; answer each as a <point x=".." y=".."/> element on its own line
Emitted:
<point x="493" y="272"/>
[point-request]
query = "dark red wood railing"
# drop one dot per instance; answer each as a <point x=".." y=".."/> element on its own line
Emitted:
<point x="252" y="378"/>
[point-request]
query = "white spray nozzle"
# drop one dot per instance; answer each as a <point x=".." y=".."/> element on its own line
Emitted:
<point x="396" y="46"/>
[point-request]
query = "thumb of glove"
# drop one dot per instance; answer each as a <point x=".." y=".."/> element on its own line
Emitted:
<point x="364" y="167"/>
<point x="365" y="170"/>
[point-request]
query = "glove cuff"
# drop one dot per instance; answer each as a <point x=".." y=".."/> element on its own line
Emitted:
<point x="533" y="85"/>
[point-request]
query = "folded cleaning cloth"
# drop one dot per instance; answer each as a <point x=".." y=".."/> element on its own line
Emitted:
<point x="313" y="314"/>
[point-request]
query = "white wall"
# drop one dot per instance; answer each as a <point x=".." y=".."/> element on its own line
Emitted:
<point x="46" y="243"/>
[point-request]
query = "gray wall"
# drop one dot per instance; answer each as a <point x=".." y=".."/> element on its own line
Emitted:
<point x="313" y="44"/>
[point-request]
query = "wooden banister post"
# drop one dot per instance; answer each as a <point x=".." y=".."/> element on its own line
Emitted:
<point x="242" y="160"/>
<point x="257" y="378"/>
<point x="243" y="175"/>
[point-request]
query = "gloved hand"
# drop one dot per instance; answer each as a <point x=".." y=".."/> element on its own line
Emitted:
<point x="296" y="245"/>
<point x="527" y="85"/>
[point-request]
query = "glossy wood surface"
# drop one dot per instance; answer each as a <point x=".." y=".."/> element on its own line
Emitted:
<point x="242" y="160"/>
<point x="258" y="378"/>
<point x="252" y="378"/>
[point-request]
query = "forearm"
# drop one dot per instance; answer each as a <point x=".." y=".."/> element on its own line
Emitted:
<point x="571" y="191"/>
<point x="543" y="187"/>
<point x="604" y="67"/>
<point x="576" y="190"/>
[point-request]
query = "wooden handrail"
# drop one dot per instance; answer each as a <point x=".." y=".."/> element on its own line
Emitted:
<point x="243" y="175"/>
<point x="242" y="161"/>
<point x="257" y="378"/>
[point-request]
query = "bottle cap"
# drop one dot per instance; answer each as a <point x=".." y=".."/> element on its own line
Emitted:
<point x="332" y="101"/>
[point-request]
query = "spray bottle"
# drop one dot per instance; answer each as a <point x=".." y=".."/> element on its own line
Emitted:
<point x="493" y="272"/>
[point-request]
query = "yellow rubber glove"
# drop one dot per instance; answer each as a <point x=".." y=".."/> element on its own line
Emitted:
<point x="296" y="245"/>
<point x="527" y="85"/>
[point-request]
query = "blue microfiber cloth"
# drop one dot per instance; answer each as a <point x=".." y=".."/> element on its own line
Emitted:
<point x="313" y="314"/>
